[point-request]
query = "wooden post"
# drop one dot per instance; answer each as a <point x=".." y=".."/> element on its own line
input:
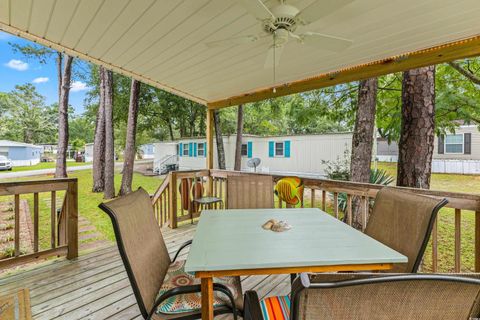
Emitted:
<point x="172" y="192"/>
<point x="458" y="226"/>
<point x="72" y="219"/>
<point x="477" y="241"/>
<point x="210" y="149"/>
<point x="35" y="222"/>
<point x="53" y="213"/>
<point x="17" y="225"/>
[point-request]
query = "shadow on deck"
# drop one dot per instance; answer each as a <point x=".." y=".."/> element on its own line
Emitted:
<point x="95" y="286"/>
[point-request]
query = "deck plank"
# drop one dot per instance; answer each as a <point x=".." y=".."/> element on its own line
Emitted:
<point x="95" y="286"/>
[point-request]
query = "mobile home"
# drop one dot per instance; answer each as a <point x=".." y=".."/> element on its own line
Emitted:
<point x="292" y="154"/>
<point x="21" y="154"/>
<point x="457" y="152"/>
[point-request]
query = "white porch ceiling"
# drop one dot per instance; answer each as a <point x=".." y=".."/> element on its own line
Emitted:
<point x="162" y="42"/>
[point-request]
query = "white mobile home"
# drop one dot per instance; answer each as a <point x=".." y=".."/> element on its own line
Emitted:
<point x="293" y="154"/>
<point x="457" y="152"/>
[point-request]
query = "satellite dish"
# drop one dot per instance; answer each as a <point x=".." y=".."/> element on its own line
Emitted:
<point x="253" y="163"/>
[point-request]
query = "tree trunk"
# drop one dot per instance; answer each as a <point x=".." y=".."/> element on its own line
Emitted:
<point x="219" y="140"/>
<point x="59" y="75"/>
<point x="129" y="153"/>
<point x="418" y="128"/>
<point x="99" y="142"/>
<point x="61" y="167"/>
<point x="109" y="142"/>
<point x="170" y="129"/>
<point x="362" y="140"/>
<point x="238" y="144"/>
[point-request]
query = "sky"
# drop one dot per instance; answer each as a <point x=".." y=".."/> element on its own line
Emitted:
<point x="15" y="69"/>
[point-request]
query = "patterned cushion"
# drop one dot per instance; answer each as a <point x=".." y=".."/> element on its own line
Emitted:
<point x="191" y="302"/>
<point x="276" y="308"/>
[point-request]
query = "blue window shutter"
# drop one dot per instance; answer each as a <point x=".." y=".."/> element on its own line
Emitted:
<point x="180" y="149"/>
<point x="190" y="149"/>
<point x="249" y="149"/>
<point x="287" y="149"/>
<point x="194" y="149"/>
<point x="205" y="149"/>
<point x="271" y="149"/>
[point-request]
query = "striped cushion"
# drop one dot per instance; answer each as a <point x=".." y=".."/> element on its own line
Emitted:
<point x="276" y="308"/>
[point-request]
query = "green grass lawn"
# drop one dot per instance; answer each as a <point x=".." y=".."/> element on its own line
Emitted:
<point x="87" y="202"/>
<point x="43" y="165"/>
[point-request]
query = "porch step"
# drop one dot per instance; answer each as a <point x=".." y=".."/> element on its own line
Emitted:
<point x="86" y="228"/>
<point x="88" y="236"/>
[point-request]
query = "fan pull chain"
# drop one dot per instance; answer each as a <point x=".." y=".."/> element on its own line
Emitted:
<point x="274" y="59"/>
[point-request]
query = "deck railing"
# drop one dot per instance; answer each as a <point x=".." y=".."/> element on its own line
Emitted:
<point x="60" y="221"/>
<point x="327" y="194"/>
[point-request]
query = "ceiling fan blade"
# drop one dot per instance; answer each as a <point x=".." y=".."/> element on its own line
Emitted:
<point x="320" y="9"/>
<point x="257" y="9"/>
<point x="273" y="56"/>
<point x="233" y="41"/>
<point x="325" y="42"/>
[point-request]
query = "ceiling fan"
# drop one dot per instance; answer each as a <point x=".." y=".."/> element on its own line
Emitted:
<point x="280" y="23"/>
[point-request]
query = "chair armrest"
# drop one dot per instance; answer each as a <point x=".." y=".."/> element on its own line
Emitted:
<point x="251" y="306"/>
<point x="183" y="246"/>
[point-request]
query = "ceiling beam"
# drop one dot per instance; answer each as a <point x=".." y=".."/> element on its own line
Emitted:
<point x="465" y="48"/>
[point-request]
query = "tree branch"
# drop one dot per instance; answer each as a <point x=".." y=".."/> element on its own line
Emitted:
<point x="468" y="74"/>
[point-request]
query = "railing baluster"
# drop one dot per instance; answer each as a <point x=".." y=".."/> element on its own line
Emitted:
<point x="312" y="198"/>
<point x="335" y="204"/>
<point x="349" y="209"/>
<point x="435" y="246"/>
<point x="477" y="241"/>
<point x="364" y="212"/>
<point x="17" y="225"/>
<point x="324" y="200"/>
<point x="53" y="209"/>
<point x="458" y="226"/>
<point x="35" y="222"/>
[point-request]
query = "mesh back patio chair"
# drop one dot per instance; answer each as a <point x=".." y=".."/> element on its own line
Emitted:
<point x="371" y="297"/>
<point x="249" y="192"/>
<point x="403" y="221"/>
<point x="162" y="288"/>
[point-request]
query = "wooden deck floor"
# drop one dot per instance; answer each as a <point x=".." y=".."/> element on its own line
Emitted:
<point x="95" y="286"/>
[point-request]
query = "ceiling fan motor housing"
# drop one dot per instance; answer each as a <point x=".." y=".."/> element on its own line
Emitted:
<point x="284" y="19"/>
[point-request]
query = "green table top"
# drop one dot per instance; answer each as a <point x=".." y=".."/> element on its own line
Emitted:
<point x="235" y="239"/>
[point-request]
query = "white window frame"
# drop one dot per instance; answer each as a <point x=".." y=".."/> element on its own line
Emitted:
<point x="246" y="149"/>
<point x="445" y="143"/>
<point x="275" y="149"/>
<point x="187" y="145"/>
<point x="198" y="149"/>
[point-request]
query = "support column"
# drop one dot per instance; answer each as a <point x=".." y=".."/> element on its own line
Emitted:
<point x="210" y="125"/>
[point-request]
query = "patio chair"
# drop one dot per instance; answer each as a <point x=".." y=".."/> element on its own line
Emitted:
<point x="371" y="296"/>
<point x="162" y="288"/>
<point x="404" y="221"/>
<point x="249" y="192"/>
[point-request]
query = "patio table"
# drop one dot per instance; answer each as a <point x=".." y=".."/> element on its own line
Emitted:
<point x="233" y="243"/>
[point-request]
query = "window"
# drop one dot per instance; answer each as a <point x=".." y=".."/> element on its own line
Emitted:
<point x="185" y="149"/>
<point x="279" y="149"/>
<point x="201" y="149"/>
<point x="244" y="150"/>
<point x="454" y="143"/>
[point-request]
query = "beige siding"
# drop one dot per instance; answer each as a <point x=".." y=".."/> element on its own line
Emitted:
<point x="306" y="153"/>
<point x="475" y="155"/>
